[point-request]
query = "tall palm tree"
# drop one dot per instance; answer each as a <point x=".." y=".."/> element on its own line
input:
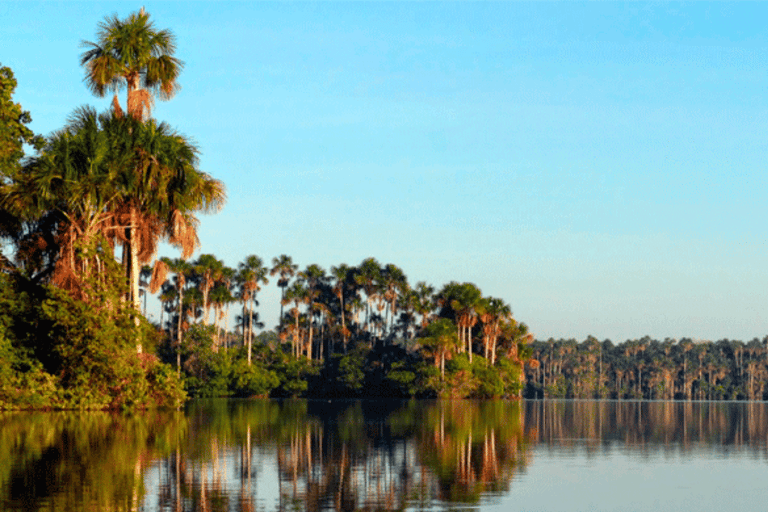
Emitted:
<point x="440" y="340"/>
<point x="459" y="301"/>
<point x="368" y="277"/>
<point x="394" y="283"/>
<point x="252" y="273"/>
<point x="284" y="266"/>
<point x="132" y="54"/>
<point x="311" y="277"/>
<point x="343" y="276"/>
<point x="425" y="302"/>
<point x="296" y="293"/>
<point x="207" y="272"/>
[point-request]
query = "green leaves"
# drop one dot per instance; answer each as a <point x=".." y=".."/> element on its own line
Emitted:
<point x="13" y="130"/>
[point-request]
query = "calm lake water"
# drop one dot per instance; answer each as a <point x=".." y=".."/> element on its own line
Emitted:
<point x="229" y="455"/>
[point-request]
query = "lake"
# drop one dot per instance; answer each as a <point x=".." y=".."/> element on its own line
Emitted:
<point x="232" y="455"/>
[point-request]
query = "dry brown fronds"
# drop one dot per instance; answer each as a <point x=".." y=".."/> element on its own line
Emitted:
<point x="116" y="107"/>
<point x="159" y="273"/>
<point x="140" y="103"/>
<point x="148" y="232"/>
<point x="183" y="234"/>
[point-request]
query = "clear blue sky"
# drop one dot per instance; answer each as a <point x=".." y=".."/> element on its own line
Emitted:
<point x="600" y="166"/>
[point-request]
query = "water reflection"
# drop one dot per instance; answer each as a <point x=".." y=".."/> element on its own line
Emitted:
<point x="652" y="425"/>
<point x="78" y="461"/>
<point x="314" y="455"/>
<point x="369" y="455"/>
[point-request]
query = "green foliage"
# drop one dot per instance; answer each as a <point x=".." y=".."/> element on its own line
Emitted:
<point x="350" y="376"/>
<point x="402" y="377"/>
<point x="429" y="382"/>
<point x="61" y="352"/>
<point x="13" y="130"/>
<point x="253" y="380"/>
<point x="490" y="380"/>
<point x="293" y="375"/>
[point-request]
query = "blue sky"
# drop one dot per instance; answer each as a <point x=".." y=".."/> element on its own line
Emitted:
<point x="598" y="165"/>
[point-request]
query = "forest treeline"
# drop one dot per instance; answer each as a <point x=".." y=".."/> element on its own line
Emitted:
<point x="646" y="368"/>
<point x="354" y="331"/>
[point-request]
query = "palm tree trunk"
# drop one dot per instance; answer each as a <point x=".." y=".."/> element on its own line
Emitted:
<point x="250" y="331"/>
<point x="134" y="265"/>
<point x="178" y="329"/>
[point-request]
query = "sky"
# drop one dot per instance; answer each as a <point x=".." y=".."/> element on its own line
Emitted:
<point x="600" y="166"/>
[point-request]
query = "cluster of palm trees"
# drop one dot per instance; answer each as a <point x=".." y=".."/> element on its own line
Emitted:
<point x="322" y="313"/>
<point x="111" y="179"/>
<point x="650" y="369"/>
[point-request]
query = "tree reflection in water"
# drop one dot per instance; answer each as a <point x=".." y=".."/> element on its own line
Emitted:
<point x="314" y="455"/>
<point x="366" y="455"/>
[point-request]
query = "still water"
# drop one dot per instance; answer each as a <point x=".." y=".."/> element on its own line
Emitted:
<point x="229" y="455"/>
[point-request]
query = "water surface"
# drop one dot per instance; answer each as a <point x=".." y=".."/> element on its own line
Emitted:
<point x="381" y="455"/>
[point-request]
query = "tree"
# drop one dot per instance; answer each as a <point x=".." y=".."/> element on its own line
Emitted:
<point x="368" y="277"/>
<point x="343" y="276"/>
<point x="311" y="277"/>
<point x="65" y="197"/>
<point x="284" y="266"/>
<point x="440" y="340"/>
<point x="394" y="284"/>
<point x="134" y="55"/>
<point x="251" y="272"/>
<point x="459" y="301"/>
<point x="13" y="130"/>
<point x="207" y="272"/>
<point x="161" y="191"/>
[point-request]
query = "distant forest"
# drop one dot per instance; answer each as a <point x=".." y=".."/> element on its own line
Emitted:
<point x="649" y="369"/>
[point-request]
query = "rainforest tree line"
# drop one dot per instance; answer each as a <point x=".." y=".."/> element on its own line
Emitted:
<point x="354" y="331"/>
<point x="646" y="368"/>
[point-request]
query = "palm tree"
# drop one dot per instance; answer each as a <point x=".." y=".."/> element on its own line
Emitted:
<point x="312" y="276"/>
<point x="368" y="277"/>
<point x="296" y="293"/>
<point x="251" y="272"/>
<point x="134" y="55"/>
<point x="425" y="302"/>
<point x="492" y="312"/>
<point x="161" y="190"/>
<point x="343" y="276"/>
<point x="284" y="266"/>
<point x="440" y="340"/>
<point x="65" y="195"/>
<point x="207" y="272"/>
<point x="182" y="270"/>
<point x="394" y="283"/>
<point x="459" y="301"/>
